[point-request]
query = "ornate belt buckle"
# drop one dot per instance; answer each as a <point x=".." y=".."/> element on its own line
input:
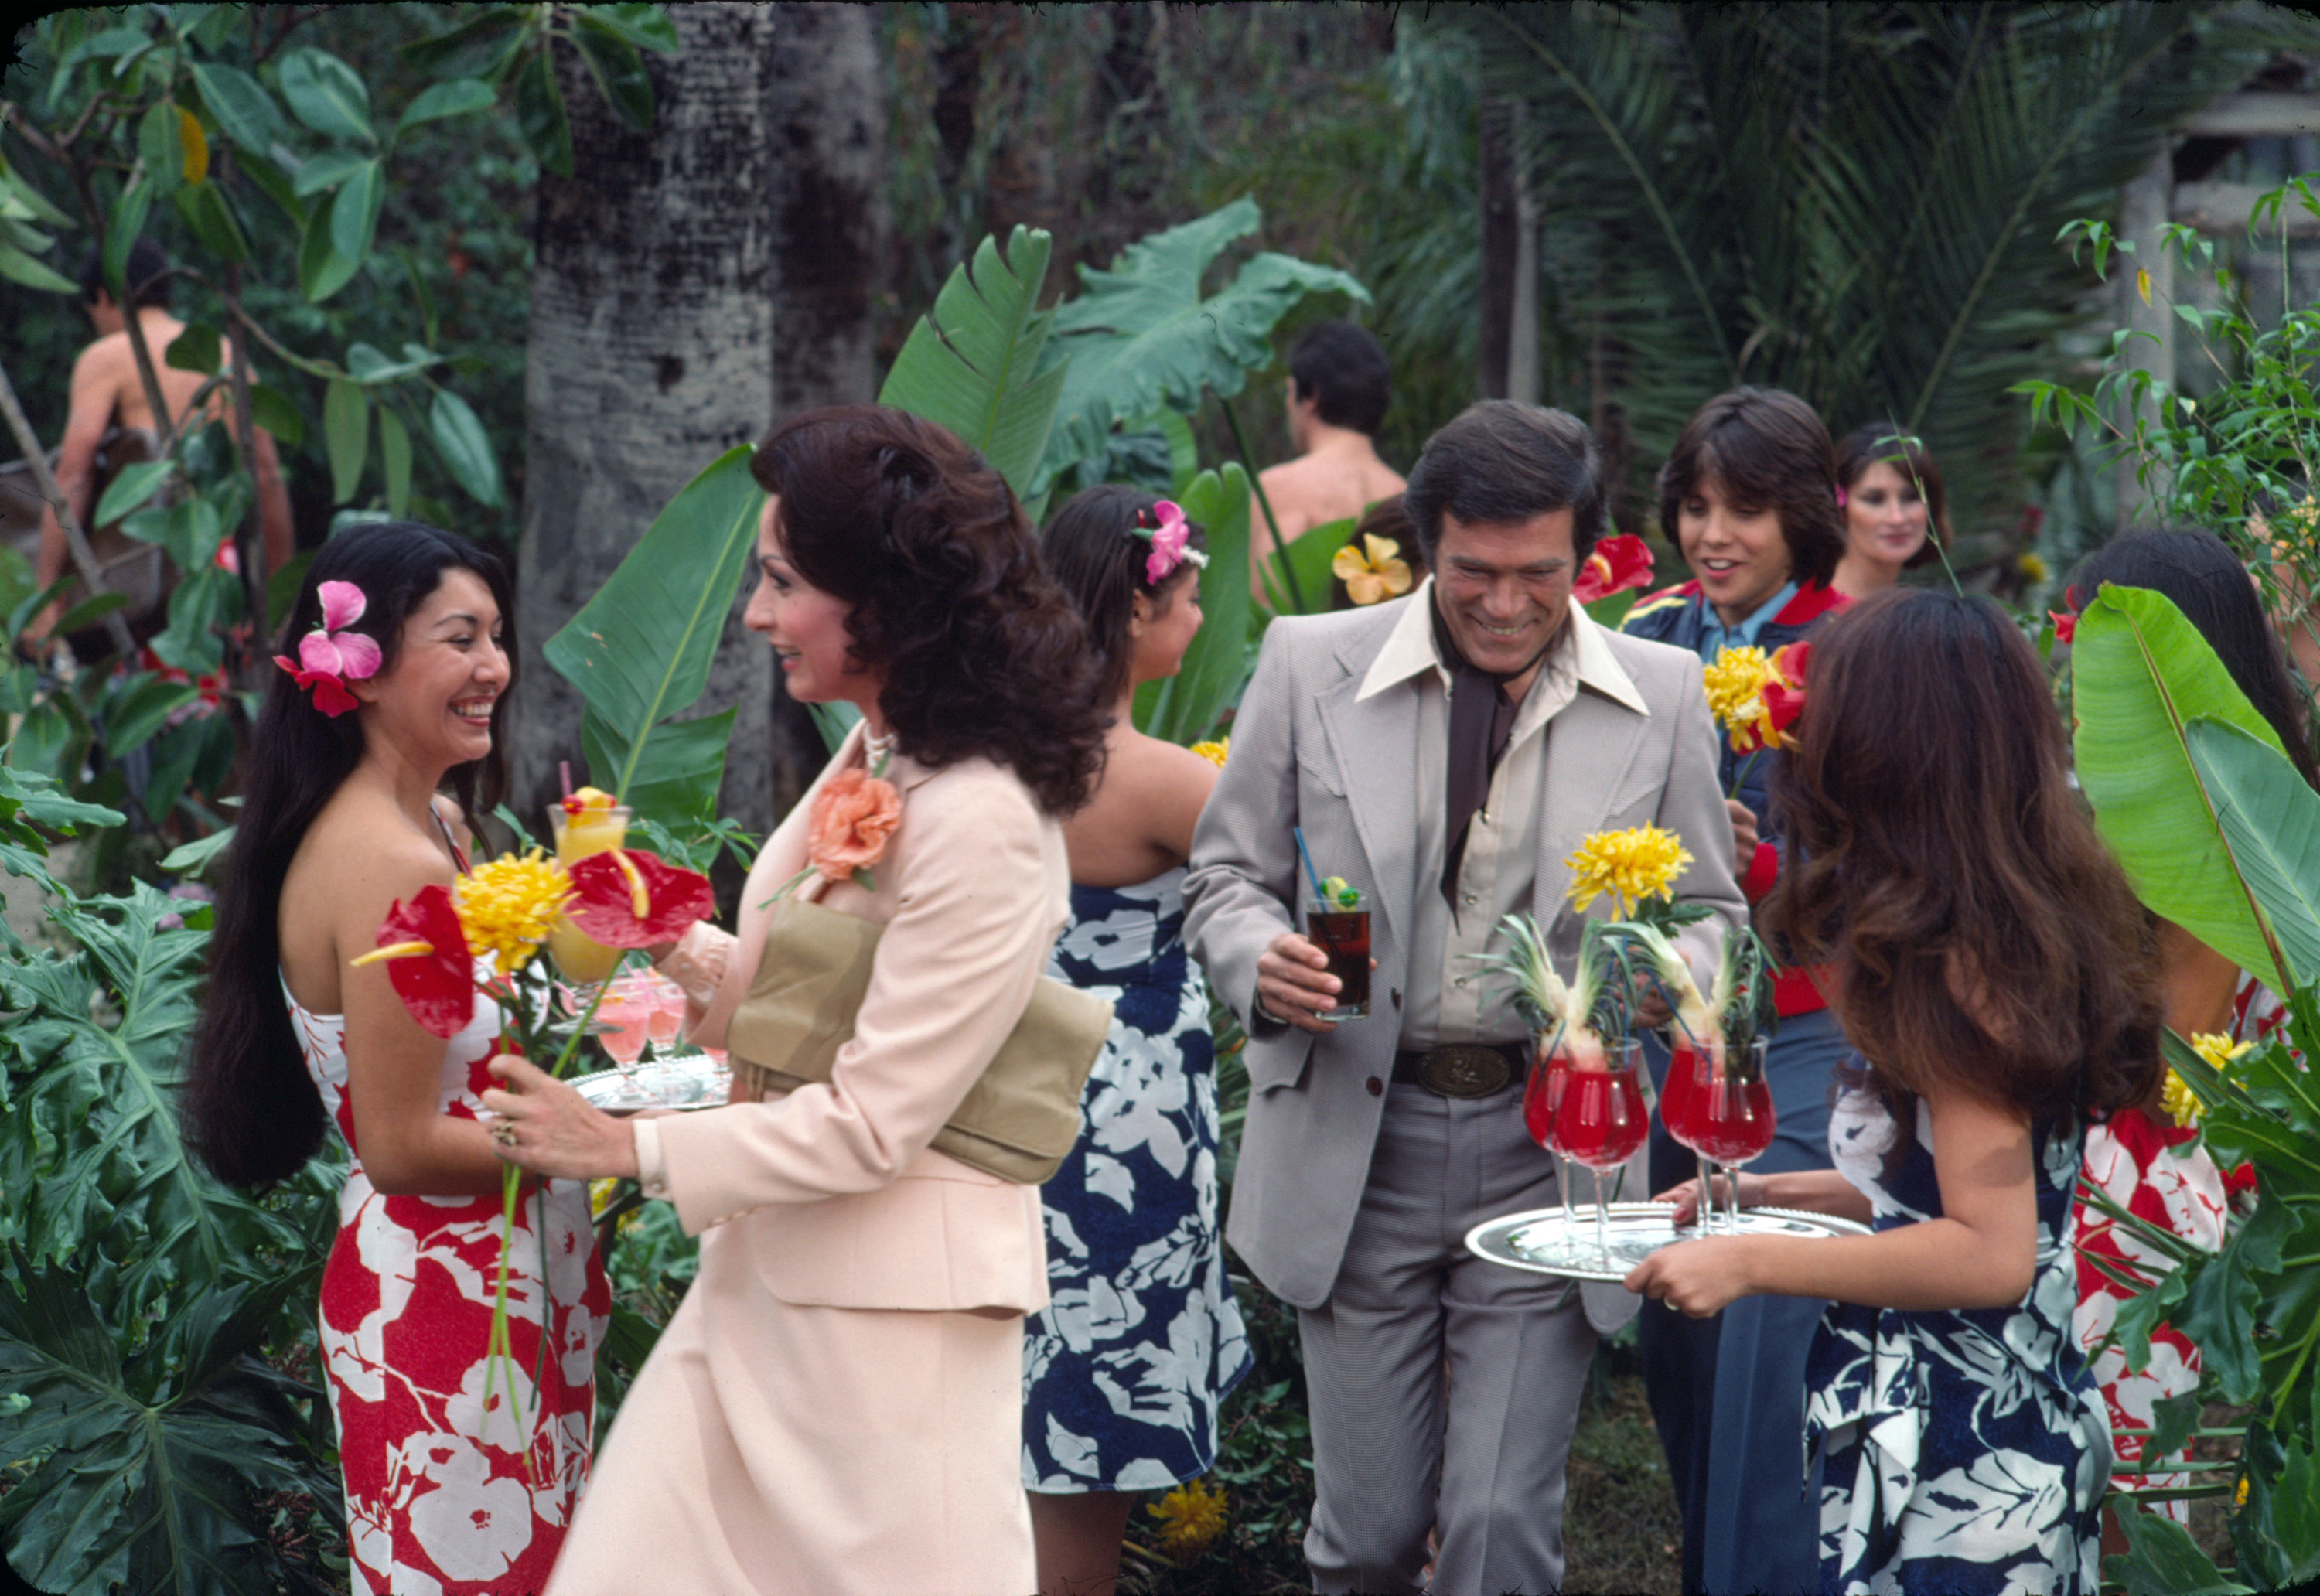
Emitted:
<point x="1463" y="1071"/>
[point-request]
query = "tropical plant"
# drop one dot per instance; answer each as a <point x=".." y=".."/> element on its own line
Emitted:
<point x="639" y="650"/>
<point x="2241" y="455"/>
<point x="1851" y="202"/>
<point x="185" y="104"/>
<point x="2244" y="831"/>
<point x="160" y="1434"/>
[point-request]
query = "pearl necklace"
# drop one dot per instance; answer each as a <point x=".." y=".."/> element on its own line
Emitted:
<point x="877" y="749"/>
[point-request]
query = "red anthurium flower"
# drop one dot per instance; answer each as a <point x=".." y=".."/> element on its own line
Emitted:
<point x="624" y="898"/>
<point x="426" y="957"/>
<point x="1784" y="696"/>
<point x="1615" y="565"/>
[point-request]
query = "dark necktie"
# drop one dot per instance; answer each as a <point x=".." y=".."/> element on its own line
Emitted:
<point x="1481" y="718"/>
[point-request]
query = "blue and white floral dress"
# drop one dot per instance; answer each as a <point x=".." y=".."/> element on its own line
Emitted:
<point x="1967" y="1450"/>
<point x="1125" y="1370"/>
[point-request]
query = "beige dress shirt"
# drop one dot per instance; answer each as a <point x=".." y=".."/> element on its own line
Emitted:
<point x="1460" y="1001"/>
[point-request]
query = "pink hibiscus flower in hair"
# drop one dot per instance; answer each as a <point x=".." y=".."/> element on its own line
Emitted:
<point x="1171" y="543"/>
<point x="329" y="655"/>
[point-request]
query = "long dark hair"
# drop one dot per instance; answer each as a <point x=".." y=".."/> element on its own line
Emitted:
<point x="1981" y="937"/>
<point x="1766" y="449"/>
<point x="2204" y="579"/>
<point x="250" y="1109"/>
<point x="1091" y="550"/>
<point x="982" y="654"/>
<point x="1865" y="446"/>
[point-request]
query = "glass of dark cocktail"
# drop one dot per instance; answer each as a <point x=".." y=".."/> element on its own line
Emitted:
<point x="1342" y="934"/>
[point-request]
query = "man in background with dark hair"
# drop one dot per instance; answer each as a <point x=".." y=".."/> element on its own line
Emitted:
<point x="110" y="412"/>
<point x="1339" y="385"/>
<point x="1445" y="753"/>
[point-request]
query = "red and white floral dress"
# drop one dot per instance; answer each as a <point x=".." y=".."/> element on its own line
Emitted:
<point x="2161" y="1172"/>
<point x="444" y="1494"/>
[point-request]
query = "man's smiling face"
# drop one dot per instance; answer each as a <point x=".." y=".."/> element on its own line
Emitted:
<point x="1504" y="587"/>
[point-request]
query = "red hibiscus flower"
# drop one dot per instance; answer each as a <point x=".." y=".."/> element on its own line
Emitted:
<point x="1784" y="694"/>
<point x="1615" y="565"/>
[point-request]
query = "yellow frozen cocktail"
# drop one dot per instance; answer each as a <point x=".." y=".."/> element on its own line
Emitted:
<point x="588" y="822"/>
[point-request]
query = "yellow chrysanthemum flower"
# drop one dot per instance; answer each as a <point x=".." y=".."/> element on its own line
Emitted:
<point x="2239" y="1497"/>
<point x="509" y="906"/>
<point x="1630" y="865"/>
<point x="2182" y="1104"/>
<point x="1214" y="752"/>
<point x="1191" y="1517"/>
<point x="1381" y="574"/>
<point x="1735" y="696"/>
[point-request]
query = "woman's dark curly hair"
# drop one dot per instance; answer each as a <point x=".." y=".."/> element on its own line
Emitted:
<point x="1979" y="936"/>
<point x="981" y="652"/>
<point x="1092" y="551"/>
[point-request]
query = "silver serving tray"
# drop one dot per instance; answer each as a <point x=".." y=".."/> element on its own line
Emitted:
<point x="1538" y="1240"/>
<point x="686" y="1081"/>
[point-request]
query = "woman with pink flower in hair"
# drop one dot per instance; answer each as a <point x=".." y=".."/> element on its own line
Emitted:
<point x="1124" y="1371"/>
<point x="836" y="1405"/>
<point x="392" y="695"/>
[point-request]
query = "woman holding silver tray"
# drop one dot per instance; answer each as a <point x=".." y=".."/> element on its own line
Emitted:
<point x="1983" y="950"/>
<point x="836" y="1405"/>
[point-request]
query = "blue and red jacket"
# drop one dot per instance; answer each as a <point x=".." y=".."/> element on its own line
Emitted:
<point x="1676" y="616"/>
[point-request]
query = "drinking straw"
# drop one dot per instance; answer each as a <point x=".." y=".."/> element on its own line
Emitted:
<point x="1311" y="874"/>
<point x="563" y="773"/>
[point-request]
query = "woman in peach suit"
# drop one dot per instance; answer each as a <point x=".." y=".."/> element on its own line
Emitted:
<point x="836" y="1406"/>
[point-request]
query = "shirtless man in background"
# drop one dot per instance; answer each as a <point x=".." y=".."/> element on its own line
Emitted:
<point x="1338" y="386"/>
<point x="107" y="393"/>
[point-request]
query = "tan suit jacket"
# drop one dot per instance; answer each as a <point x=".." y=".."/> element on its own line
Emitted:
<point x="843" y="1202"/>
<point x="1307" y="751"/>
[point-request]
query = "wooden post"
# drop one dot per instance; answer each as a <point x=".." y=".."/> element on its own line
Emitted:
<point x="2143" y="208"/>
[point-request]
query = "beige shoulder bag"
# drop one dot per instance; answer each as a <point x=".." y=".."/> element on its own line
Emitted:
<point x="1018" y="1122"/>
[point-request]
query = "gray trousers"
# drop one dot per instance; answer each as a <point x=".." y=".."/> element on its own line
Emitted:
<point x="1394" y="1455"/>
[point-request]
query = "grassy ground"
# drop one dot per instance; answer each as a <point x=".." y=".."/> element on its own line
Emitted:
<point x="1620" y="1525"/>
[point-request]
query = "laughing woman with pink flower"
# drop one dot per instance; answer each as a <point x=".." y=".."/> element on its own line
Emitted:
<point x="400" y="667"/>
<point x="835" y="1407"/>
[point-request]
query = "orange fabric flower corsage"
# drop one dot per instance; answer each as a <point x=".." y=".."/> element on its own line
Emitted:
<point x="854" y="818"/>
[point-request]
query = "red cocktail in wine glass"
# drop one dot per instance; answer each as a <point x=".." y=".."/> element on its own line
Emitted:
<point x="1601" y="1119"/>
<point x="1550" y="1070"/>
<point x="1691" y="1066"/>
<point x="1733" y="1118"/>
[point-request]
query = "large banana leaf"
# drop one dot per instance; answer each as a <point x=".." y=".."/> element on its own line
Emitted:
<point x="980" y="363"/>
<point x="2271" y="819"/>
<point x="2139" y="673"/>
<point x="1140" y="337"/>
<point x="639" y="650"/>
<point x="1183" y="708"/>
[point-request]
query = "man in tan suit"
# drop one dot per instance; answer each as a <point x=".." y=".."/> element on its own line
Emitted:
<point x="1445" y="753"/>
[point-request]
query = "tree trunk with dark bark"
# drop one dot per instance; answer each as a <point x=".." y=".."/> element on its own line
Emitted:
<point x="692" y="285"/>
<point x="830" y="226"/>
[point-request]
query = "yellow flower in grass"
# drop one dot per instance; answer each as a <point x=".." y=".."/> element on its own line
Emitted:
<point x="1374" y="571"/>
<point x="1735" y="696"/>
<point x="2239" y="1497"/>
<point x="1630" y="865"/>
<point x="1191" y="1517"/>
<point x="1214" y="752"/>
<point x="509" y="906"/>
<point x="2182" y="1104"/>
<point x="2031" y="566"/>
